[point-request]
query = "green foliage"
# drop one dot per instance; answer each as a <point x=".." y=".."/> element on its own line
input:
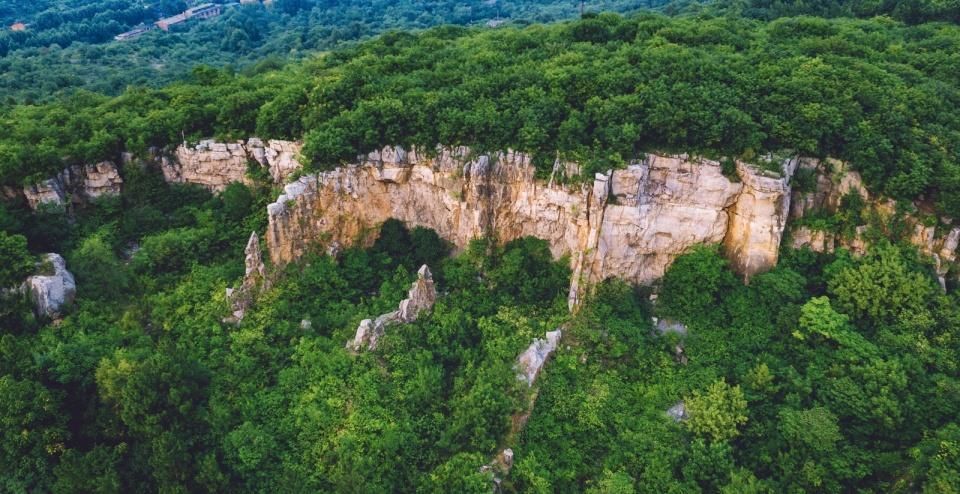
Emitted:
<point x="695" y="283"/>
<point x="717" y="413"/>
<point x="17" y="261"/>
<point x="98" y="269"/>
<point x="42" y="60"/>
<point x="882" y="289"/>
<point x="600" y="91"/>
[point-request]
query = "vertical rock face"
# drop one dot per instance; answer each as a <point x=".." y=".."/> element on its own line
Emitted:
<point x="758" y="218"/>
<point x="628" y="223"/>
<point x="214" y="165"/>
<point x="51" y="293"/>
<point x="254" y="279"/>
<point x="101" y="179"/>
<point x="50" y="192"/>
<point x="420" y="298"/>
<point x="660" y="208"/>
<point x="833" y="180"/>
<point x="75" y="184"/>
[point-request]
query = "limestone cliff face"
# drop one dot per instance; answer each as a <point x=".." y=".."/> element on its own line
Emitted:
<point x="75" y="184"/>
<point x="833" y="180"/>
<point x="214" y="165"/>
<point x="758" y="218"/>
<point x="628" y="223"/>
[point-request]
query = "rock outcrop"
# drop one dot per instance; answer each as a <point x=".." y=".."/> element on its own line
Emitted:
<point x="420" y="298"/>
<point x="678" y="412"/>
<point x="833" y="181"/>
<point x="52" y="292"/>
<point x="214" y="165"/>
<point x="254" y="279"/>
<point x="75" y="184"/>
<point x="758" y="218"/>
<point x="531" y="361"/>
<point x="629" y="223"/>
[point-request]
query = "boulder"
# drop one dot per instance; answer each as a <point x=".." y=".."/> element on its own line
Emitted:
<point x="678" y="412"/>
<point x="532" y="360"/>
<point x="52" y="292"/>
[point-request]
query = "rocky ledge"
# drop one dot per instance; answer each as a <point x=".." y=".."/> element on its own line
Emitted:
<point x="75" y="184"/>
<point x="215" y="165"/>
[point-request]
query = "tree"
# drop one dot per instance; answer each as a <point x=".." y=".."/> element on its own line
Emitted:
<point x="694" y="283"/>
<point x="33" y="432"/>
<point x="17" y="261"/>
<point x="717" y="413"/>
<point x="99" y="272"/>
<point x="881" y="288"/>
<point x="461" y="473"/>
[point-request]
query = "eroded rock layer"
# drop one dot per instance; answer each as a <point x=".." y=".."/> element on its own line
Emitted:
<point x="629" y="223"/>
<point x="215" y="165"/>
<point x="420" y="298"/>
<point x="74" y="184"/>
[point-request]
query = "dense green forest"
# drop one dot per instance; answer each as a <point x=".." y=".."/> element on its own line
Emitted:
<point x="600" y="91"/>
<point x="69" y="45"/>
<point x="909" y="11"/>
<point x="829" y="373"/>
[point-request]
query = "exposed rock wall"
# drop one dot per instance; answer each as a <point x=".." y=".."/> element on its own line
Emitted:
<point x="254" y="280"/>
<point x="75" y="184"/>
<point x="758" y="218"/>
<point x="833" y="180"/>
<point x="531" y="361"/>
<point x="628" y="223"/>
<point x="214" y="165"/>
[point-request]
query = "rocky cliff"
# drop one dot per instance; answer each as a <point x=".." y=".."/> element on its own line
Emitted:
<point x="215" y="165"/>
<point x="832" y="181"/>
<point x="75" y="184"/>
<point x="628" y="223"/>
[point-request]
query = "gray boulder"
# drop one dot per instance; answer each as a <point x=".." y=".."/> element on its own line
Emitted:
<point x="51" y="293"/>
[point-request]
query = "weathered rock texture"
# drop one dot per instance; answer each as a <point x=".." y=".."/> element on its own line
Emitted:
<point x="420" y="298"/>
<point x="51" y="293"/>
<point x="757" y="219"/>
<point x="532" y="360"/>
<point x="214" y="165"/>
<point x="834" y="179"/>
<point x="254" y="279"/>
<point x="75" y="184"/>
<point x="628" y="223"/>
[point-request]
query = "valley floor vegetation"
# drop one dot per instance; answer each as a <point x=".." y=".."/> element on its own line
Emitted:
<point x="829" y="373"/>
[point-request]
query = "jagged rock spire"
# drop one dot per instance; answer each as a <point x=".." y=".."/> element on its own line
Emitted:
<point x="420" y="298"/>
